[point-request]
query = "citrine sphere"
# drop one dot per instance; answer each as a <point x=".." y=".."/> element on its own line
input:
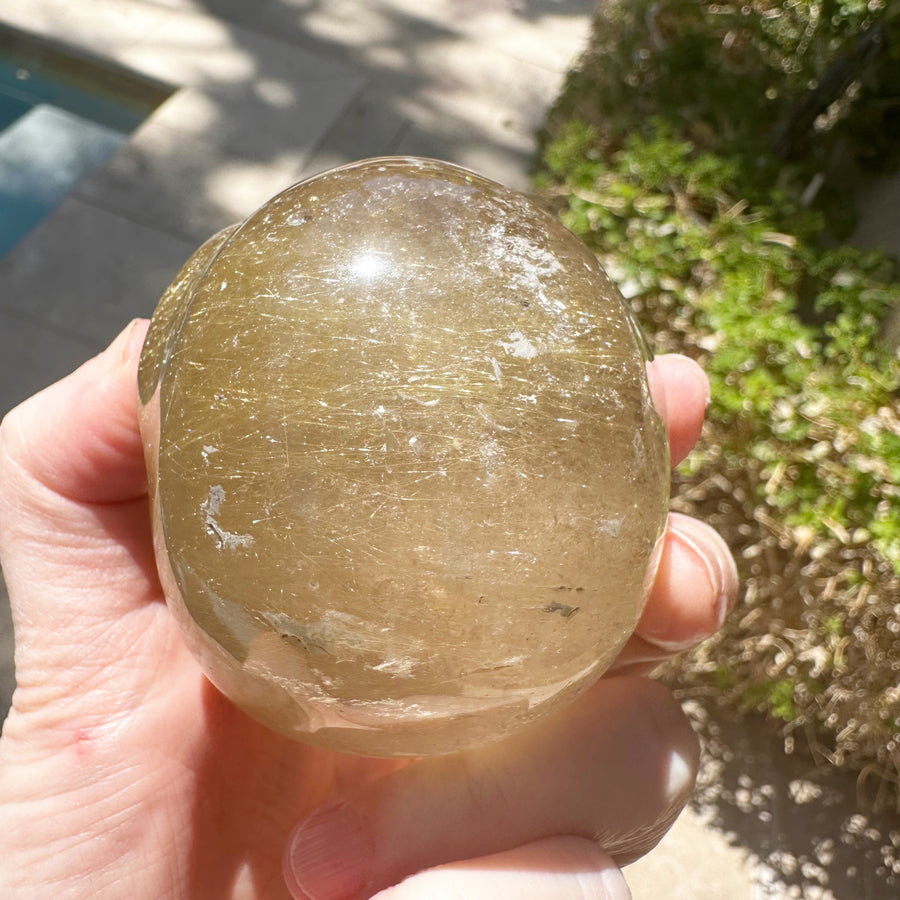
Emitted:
<point x="407" y="480"/>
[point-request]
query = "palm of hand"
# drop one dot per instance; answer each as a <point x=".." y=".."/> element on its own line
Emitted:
<point x="218" y="793"/>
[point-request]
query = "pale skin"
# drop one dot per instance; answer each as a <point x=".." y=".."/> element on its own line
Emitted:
<point x="123" y="773"/>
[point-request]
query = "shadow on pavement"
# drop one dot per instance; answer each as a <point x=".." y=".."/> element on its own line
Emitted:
<point x="810" y="831"/>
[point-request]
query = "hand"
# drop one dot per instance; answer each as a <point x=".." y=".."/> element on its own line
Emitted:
<point x="123" y="773"/>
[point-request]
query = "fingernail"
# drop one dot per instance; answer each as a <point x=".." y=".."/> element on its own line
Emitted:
<point x="615" y="885"/>
<point x="703" y="567"/>
<point x="129" y="343"/>
<point x="330" y="856"/>
<point x="708" y="548"/>
<point x="693" y="370"/>
<point x="691" y="380"/>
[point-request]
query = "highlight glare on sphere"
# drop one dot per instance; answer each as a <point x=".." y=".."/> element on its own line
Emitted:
<point x="367" y="266"/>
<point x="407" y="479"/>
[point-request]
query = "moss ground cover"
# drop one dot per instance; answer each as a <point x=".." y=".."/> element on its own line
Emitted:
<point x="709" y="153"/>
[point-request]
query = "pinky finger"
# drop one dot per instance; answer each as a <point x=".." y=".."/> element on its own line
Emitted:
<point x="558" y="868"/>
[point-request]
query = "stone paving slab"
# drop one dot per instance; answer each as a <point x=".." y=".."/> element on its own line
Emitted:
<point x="692" y="862"/>
<point x="33" y="354"/>
<point x="99" y="27"/>
<point x="370" y="126"/>
<point x="547" y="33"/>
<point x="194" y="49"/>
<point x="119" y="266"/>
<point x="179" y="185"/>
<point x="293" y="116"/>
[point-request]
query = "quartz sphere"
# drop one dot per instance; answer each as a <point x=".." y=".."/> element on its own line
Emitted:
<point x="407" y="480"/>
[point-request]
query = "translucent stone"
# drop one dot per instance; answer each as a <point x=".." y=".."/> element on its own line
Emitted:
<point x="406" y="476"/>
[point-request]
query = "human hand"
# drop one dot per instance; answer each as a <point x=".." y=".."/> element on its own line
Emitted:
<point x="123" y="772"/>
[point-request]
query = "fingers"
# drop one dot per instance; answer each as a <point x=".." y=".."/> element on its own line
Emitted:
<point x="696" y="586"/>
<point x="696" y="582"/>
<point x="615" y="767"/>
<point x="680" y="392"/>
<point x="79" y="437"/>
<point x="562" y="868"/>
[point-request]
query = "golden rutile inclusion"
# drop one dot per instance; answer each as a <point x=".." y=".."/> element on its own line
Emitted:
<point x="406" y="475"/>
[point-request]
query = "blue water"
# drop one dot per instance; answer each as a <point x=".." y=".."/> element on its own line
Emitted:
<point x="23" y="87"/>
<point x="52" y="135"/>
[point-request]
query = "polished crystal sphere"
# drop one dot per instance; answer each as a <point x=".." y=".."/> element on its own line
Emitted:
<point x="407" y="480"/>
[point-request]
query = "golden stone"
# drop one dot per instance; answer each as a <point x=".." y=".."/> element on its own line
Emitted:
<point x="406" y="476"/>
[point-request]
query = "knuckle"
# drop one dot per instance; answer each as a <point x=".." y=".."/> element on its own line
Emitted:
<point x="488" y="793"/>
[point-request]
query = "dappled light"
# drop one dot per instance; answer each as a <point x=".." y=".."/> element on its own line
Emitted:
<point x="809" y="831"/>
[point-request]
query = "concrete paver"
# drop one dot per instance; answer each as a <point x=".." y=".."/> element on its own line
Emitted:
<point x="293" y="116"/>
<point x="38" y="354"/>
<point x="193" y="49"/>
<point x="101" y="27"/>
<point x="179" y="185"/>
<point x="692" y="862"/>
<point x="123" y="280"/>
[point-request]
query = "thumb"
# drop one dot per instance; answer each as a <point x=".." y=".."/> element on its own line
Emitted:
<point x="615" y="768"/>
<point x="74" y="526"/>
<point x="79" y="438"/>
<point x="563" y="868"/>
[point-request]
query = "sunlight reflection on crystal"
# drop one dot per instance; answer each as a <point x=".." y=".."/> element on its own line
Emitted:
<point x="368" y="266"/>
